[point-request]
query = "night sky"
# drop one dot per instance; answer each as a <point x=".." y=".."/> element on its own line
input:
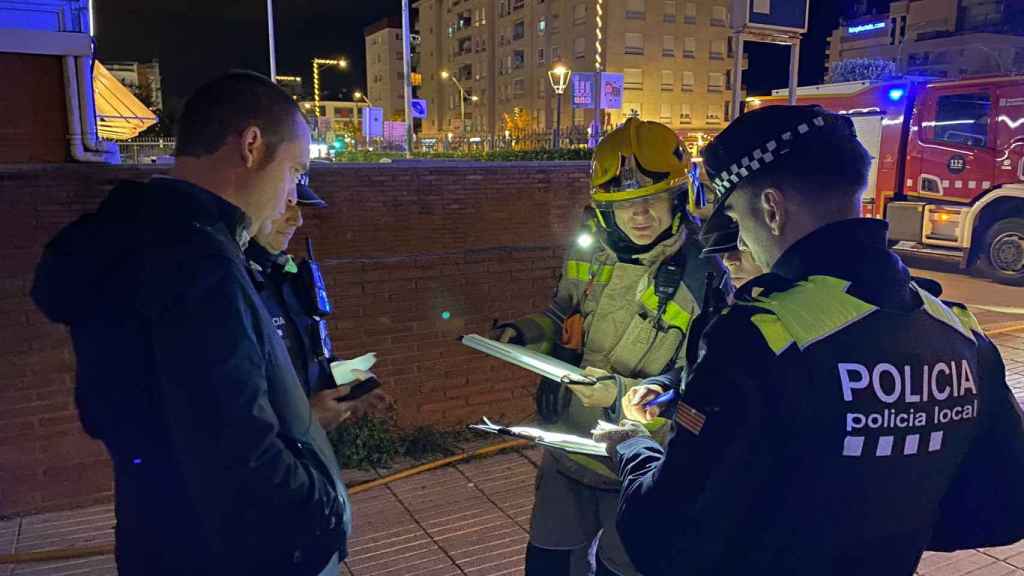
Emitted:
<point x="197" y="39"/>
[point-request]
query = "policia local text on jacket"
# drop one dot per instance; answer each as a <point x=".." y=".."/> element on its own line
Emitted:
<point x="613" y="313"/>
<point x="219" y="467"/>
<point x="836" y="413"/>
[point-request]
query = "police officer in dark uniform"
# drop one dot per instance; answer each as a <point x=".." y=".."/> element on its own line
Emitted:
<point x="837" y="418"/>
<point x="294" y="295"/>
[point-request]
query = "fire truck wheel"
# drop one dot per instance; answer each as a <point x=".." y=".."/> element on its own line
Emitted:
<point x="1002" y="257"/>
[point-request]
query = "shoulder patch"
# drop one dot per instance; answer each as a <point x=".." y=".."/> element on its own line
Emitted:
<point x="774" y="332"/>
<point x="811" y="310"/>
<point x="943" y="313"/>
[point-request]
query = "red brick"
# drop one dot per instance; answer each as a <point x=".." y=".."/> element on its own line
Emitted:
<point x="443" y="405"/>
<point x="425" y="241"/>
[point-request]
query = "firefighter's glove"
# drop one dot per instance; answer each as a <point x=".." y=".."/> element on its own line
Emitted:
<point x="602" y="394"/>
<point x="549" y="400"/>
<point x="612" y="435"/>
<point x="507" y="333"/>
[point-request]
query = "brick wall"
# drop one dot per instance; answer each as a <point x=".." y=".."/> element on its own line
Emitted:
<point x="399" y="246"/>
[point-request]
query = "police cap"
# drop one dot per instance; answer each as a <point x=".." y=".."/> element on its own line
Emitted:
<point x="759" y="142"/>
<point x="305" y="194"/>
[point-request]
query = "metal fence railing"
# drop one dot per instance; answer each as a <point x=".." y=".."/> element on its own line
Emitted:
<point x="569" y="137"/>
<point x="159" y="150"/>
<point x="146" y="150"/>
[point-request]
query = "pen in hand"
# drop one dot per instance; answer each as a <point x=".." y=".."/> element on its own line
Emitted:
<point x="661" y="399"/>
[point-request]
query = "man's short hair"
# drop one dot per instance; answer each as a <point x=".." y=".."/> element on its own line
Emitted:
<point x="227" y="105"/>
<point x="805" y="150"/>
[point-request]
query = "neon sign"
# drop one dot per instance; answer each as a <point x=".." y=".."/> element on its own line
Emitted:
<point x="865" y="27"/>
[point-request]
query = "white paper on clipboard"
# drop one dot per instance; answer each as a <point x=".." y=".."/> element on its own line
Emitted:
<point x="523" y="357"/>
<point x="566" y="442"/>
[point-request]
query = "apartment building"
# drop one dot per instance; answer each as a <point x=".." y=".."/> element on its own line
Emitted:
<point x="675" y="56"/>
<point x="142" y="79"/>
<point x="385" y="85"/>
<point x="939" y="38"/>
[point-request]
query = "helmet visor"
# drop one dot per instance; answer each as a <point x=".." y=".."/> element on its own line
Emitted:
<point x="640" y="159"/>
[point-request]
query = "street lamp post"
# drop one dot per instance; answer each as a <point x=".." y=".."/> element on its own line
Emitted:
<point x="270" y="38"/>
<point x="359" y="95"/>
<point x="341" y="63"/>
<point x="559" y="78"/>
<point x="462" y="98"/>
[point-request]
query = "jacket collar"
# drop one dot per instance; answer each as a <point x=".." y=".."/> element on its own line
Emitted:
<point x="260" y="256"/>
<point x="854" y="250"/>
<point x="655" y="255"/>
<point x="816" y="253"/>
<point x="203" y="206"/>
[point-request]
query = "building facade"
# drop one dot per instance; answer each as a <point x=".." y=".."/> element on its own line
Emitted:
<point x="142" y="78"/>
<point x="675" y="56"/>
<point x="337" y="119"/>
<point x="939" y="38"/>
<point x="292" y="85"/>
<point x="385" y="74"/>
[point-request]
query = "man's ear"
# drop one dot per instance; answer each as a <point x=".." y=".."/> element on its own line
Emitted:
<point x="772" y="206"/>
<point x="252" y="146"/>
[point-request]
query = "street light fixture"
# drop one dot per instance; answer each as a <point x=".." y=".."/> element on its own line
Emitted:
<point x="559" y="78"/>
<point x="357" y="95"/>
<point x="462" y="97"/>
<point x="341" y="63"/>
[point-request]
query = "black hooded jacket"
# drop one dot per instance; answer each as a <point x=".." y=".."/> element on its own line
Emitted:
<point x="219" y="465"/>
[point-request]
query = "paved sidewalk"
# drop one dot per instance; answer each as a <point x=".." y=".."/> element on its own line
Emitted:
<point x="469" y="519"/>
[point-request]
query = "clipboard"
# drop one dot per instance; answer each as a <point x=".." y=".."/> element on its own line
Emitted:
<point x="542" y="364"/>
<point x="556" y="440"/>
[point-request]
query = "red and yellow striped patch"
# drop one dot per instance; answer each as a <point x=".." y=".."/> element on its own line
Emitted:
<point x="689" y="417"/>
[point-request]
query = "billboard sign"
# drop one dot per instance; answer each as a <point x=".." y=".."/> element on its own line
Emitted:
<point x="611" y="90"/>
<point x="788" y="16"/>
<point x="583" y="90"/>
<point x="373" y="122"/>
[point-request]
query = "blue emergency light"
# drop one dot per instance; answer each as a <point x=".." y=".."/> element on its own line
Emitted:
<point x="895" y="94"/>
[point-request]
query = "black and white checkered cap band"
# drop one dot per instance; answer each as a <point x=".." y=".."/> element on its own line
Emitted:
<point x="761" y="157"/>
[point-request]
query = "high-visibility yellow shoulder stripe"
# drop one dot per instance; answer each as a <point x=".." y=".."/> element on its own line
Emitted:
<point x="674" y="315"/>
<point x="580" y="270"/>
<point x="815" y="308"/>
<point x="936" y="309"/>
<point x="773" y="331"/>
<point x="968" y="319"/>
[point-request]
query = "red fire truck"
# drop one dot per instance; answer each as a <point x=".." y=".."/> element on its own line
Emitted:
<point x="948" y="173"/>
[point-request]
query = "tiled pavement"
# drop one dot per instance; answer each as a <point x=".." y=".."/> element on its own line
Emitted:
<point x="1011" y="345"/>
<point x="469" y="519"/>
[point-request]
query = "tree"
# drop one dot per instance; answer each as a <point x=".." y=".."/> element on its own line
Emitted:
<point x="518" y="122"/>
<point x="856" y="69"/>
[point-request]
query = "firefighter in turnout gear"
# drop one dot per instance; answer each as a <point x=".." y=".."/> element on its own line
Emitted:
<point x="838" y="418"/>
<point x="621" y="310"/>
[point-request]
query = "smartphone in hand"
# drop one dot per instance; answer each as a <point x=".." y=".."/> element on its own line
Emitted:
<point x="360" y="389"/>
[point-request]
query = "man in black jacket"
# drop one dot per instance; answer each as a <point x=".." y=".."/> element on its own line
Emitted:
<point x="219" y="466"/>
<point x="838" y="418"/>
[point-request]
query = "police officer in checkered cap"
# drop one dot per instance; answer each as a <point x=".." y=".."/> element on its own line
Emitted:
<point x="837" y="418"/>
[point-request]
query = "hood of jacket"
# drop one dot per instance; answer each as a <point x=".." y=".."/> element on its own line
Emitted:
<point x="100" y="260"/>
